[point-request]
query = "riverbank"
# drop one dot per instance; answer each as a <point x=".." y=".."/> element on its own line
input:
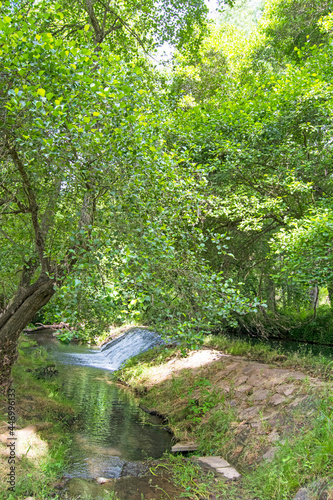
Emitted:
<point x="40" y="437"/>
<point x="268" y="414"/>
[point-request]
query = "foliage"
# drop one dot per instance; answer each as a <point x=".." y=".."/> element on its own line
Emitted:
<point x="184" y="199"/>
<point x="101" y="204"/>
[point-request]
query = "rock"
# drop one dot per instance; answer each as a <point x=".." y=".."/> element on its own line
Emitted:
<point x="277" y="399"/>
<point x="134" y="469"/>
<point x="285" y="389"/>
<point x="298" y="376"/>
<point x="240" y="380"/>
<point x="302" y="494"/>
<point x="228" y="472"/>
<point x="260" y="395"/>
<point x="219" y="465"/>
<point x="102" y="480"/>
<point x="213" y="462"/>
<point x="274" y="436"/>
<point x="269" y="455"/>
<point x="181" y="447"/>
<point x="245" y="388"/>
<point x="78" y="487"/>
<point x="297" y="401"/>
<point x="249" y="413"/>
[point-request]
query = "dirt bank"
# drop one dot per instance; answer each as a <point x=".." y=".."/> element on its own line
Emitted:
<point x="249" y="412"/>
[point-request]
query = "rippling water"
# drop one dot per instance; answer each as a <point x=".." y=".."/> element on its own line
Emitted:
<point x="112" y="429"/>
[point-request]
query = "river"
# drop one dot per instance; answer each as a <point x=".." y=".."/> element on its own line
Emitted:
<point x="112" y="434"/>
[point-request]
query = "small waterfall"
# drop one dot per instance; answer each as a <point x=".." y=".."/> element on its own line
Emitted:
<point x="131" y="343"/>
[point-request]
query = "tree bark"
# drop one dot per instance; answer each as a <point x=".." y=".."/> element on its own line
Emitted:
<point x="330" y="294"/>
<point x="19" y="313"/>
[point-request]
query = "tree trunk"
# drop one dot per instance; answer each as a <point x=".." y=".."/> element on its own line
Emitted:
<point x="270" y="290"/>
<point x="314" y="296"/>
<point x="330" y="294"/>
<point x="27" y="301"/>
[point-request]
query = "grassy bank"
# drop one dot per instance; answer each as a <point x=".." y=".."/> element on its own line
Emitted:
<point x="297" y="434"/>
<point x="42" y="418"/>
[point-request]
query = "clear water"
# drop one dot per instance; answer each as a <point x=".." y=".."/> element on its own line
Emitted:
<point x="112" y="430"/>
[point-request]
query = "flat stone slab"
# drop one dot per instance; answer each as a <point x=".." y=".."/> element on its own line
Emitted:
<point x="214" y="462"/>
<point x="228" y="472"/>
<point x="219" y="465"/>
<point x="181" y="447"/>
<point x="277" y="399"/>
<point x="260" y="395"/>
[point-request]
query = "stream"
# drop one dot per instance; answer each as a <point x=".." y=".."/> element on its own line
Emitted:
<point x="113" y="435"/>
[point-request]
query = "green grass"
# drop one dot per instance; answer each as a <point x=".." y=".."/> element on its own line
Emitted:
<point x="37" y="401"/>
<point x="197" y="410"/>
<point x="197" y="483"/>
<point x="300" y="460"/>
<point x="318" y="365"/>
<point x="138" y="367"/>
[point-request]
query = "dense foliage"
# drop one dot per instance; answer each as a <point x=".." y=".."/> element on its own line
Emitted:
<point x="192" y="197"/>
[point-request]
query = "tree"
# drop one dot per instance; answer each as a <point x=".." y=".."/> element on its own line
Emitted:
<point x="78" y="126"/>
<point x="266" y="138"/>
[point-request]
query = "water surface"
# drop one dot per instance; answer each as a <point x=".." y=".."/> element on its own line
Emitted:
<point x="112" y="430"/>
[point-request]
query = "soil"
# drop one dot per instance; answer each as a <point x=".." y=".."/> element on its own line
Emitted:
<point x="269" y="402"/>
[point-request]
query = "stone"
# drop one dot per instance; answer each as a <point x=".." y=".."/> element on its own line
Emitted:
<point x="274" y="436"/>
<point x="219" y="465"/>
<point x="287" y="390"/>
<point x="298" y="376"/>
<point x="78" y="487"/>
<point x="228" y="472"/>
<point x="181" y="447"/>
<point x="260" y="395"/>
<point x="269" y="455"/>
<point x="214" y="462"/>
<point x="248" y="413"/>
<point x="277" y="399"/>
<point x="245" y="388"/>
<point x="297" y="401"/>
<point x="302" y="494"/>
<point x="240" y="380"/>
<point x="102" y="480"/>
<point x="134" y="469"/>
<point x="255" y="380"/>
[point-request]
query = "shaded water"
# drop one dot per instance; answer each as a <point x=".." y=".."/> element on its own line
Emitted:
<point x="287" y="346"/>
<point x="112" y="431"/>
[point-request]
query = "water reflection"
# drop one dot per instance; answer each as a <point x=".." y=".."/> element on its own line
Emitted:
<point x="112" y="429"/>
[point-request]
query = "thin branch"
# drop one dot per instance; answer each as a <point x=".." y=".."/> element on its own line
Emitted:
<point x="33" y="206"/>
<point x="8" y="237"/>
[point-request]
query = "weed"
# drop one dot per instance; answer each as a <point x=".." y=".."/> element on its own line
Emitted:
<point x="298" y="460"/>
<point x="318" y="365"/>
<point x="37" y="400"/>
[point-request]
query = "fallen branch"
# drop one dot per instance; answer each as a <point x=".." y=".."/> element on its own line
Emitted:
<point x="41" y="327"/>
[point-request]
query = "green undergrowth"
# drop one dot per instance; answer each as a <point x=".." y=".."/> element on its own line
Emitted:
<point x="138" y="367"/>
<point x="198" y="483"/>
<point x="319" y="365"/>
<point x="304" y="325"/>
<point x="301" y="460"/>
<point x="197" y="410"/>
<point x="37" y="401"/>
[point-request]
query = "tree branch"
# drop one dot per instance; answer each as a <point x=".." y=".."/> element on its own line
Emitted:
<point x="33" y="206"/>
